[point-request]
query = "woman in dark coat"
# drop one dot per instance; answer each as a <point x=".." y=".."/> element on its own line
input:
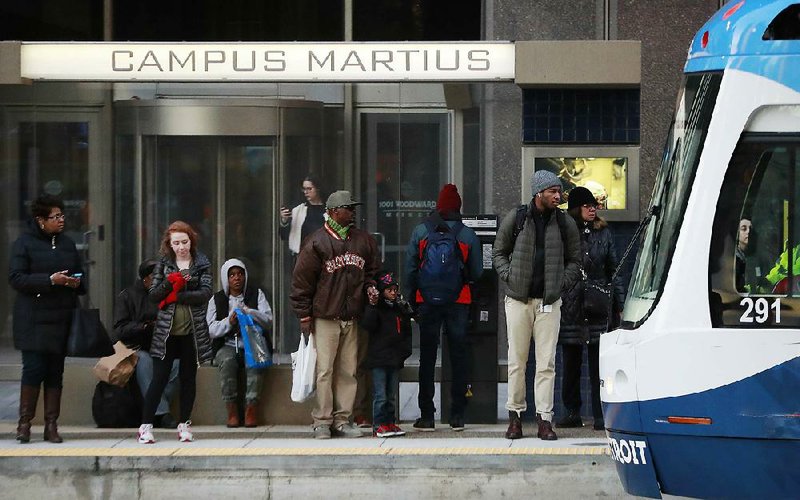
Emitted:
<point x="45" y="270"/>
<point x="182" y="286"/>
<point x="579" y="325"/>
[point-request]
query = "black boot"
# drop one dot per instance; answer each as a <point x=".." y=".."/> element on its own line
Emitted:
<point x="514" y="426"/>
<point x="28" y="396"/>
<point x="571" y="419"/>
<point x="52" y="409"/>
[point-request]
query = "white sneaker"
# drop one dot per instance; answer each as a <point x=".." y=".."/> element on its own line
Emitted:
<point x="185" y="433"/>
<point x="145" y="434"/>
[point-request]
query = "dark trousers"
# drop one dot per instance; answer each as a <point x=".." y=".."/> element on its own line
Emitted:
<point x="385" y="382"/>
<point x="572" y="356"/>
<point x="42" y="367"/>
<point x="181" y="348"/>
<point x="454" y="318"/>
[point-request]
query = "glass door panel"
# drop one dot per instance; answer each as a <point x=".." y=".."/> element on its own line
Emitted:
<point x="249" y="228"/>
<point x="181" y="176"/>
<point x="57" y="153"/>
<point x="405" y="162"/>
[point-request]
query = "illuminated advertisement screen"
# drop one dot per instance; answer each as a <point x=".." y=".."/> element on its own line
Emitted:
<point x="605" y="177"/>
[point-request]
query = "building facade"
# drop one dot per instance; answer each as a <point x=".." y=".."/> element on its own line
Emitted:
<point x="592" y="98"/>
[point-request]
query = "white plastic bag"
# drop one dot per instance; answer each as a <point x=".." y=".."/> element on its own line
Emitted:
<point x="304" y="369"/>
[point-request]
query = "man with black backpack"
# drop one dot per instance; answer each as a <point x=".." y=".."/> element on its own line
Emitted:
<point x="537" y="255"/>
<point x="442" y="259"/>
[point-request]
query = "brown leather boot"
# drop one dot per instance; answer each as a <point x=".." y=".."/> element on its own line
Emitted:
<point x="514" y="426"/>
<point x="52" y="409"/>
<point x="233" y="415"/>
<point x="546" y="430"/>
<point x="28" y="396"/>
<point x="251" y="415"/>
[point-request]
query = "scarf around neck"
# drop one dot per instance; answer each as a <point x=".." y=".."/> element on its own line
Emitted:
<point x="340" y="230"/>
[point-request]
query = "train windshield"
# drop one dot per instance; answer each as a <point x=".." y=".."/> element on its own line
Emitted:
<point x="671" y="193"/>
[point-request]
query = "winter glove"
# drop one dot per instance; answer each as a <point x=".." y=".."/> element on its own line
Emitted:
<point x="178" y="282"/>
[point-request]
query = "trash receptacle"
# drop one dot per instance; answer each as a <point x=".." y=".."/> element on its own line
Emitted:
<point x="481" y="337"/>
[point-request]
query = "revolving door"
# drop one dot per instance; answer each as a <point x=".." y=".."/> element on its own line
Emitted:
<point x="225" y="166"/>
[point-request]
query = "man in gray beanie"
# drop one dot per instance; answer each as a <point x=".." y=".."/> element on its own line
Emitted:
<point x="536" y="254"/>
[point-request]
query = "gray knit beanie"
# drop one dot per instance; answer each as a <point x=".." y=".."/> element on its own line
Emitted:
<point x="543" y="179"/>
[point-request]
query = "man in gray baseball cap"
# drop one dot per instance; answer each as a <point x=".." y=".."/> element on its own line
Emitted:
<point x="333" y="276"/>
<point x="545" y="246"/>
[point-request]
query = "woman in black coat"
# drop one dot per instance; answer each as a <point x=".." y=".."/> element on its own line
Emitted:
<point x="579" y="324"/>
<point x="45" y="270"/>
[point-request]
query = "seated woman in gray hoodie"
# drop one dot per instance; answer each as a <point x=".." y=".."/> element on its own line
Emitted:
<point x="223" y="326"/>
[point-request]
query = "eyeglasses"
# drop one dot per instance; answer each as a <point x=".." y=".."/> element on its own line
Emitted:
<point x="55" y="217"/>
<point x="589" y="207"/>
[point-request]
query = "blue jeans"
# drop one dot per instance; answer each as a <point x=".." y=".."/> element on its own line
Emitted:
<point x="454" y="318"/>
<point x="384" y="403"/>
<point x="144" y="375"/>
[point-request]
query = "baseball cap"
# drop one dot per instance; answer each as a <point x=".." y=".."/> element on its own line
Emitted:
<point x="341" y="199"/>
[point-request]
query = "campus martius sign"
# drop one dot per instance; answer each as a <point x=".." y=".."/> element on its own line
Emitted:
<point x="295" y="62"/>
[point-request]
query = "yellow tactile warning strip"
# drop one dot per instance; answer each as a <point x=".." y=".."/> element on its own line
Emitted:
<point x="190" y="451"/>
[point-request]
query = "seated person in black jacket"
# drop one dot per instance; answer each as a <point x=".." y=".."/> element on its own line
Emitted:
<point x="389" y="326"/>
<point x="134" y="317"/>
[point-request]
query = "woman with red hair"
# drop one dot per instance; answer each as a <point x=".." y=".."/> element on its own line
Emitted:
<point x="182" y="286"/>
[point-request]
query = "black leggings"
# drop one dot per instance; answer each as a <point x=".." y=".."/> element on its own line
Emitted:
<point x="182" y="348"/>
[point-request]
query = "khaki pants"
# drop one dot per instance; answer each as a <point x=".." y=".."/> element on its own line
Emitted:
<point x="525" y="322"/>
<point x="337" y="361"/>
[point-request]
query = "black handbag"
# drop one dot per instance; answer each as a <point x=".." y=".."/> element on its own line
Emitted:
<point x="596" y="299"/>
<point x="88" y="337"/>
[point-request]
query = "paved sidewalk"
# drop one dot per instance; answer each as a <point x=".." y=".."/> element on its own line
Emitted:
<point x="482" y="439"/>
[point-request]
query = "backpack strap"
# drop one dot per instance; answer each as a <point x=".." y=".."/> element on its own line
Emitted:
<point x="519" y="220"/>
<point x="562" y="228"/>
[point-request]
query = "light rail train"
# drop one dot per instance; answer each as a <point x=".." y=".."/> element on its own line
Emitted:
<point x="701" y="385"/>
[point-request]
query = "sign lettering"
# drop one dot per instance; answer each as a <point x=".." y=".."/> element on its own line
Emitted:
<point x="350" y="62"/>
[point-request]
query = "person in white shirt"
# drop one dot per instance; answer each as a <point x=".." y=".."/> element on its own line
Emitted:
<point x="223" y="326"/>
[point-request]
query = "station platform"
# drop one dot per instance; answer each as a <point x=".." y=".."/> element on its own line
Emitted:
<point x="285" y="461"/>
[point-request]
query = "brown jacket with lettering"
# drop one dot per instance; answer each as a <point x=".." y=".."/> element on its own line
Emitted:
<point x="331" y="274"/>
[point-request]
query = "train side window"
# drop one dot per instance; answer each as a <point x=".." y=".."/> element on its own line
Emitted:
<point x="754" y="259"/>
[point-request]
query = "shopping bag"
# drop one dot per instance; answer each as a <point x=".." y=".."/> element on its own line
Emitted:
<point x="304" y="369"/>
<point x="117" y="368"/>
<point x="257" y="350"/>
<point x="88" y="337"/>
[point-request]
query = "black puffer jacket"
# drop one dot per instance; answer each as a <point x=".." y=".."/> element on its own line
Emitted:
<point x="599" y="260"/>
<point x="42" y="312"/>
<point x="389" y="335"/>
<point x="134" y="317"/>
<point x="195" y="294"/>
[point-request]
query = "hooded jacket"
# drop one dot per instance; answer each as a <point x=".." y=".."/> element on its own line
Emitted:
<point x="331" y="274"/>
<point x="195" y="294"/>
<point x="514" y="257"/>
<point x="42" y="311"/>
<point x="252" y="301"/>
<point x="389" y="335"/>
<point x="471" y="254"/>
<point x="134" y="317"/>
<point x="599" y="261"/>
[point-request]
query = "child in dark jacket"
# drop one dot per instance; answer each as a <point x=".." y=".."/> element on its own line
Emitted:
<point x="389" y="326"/>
